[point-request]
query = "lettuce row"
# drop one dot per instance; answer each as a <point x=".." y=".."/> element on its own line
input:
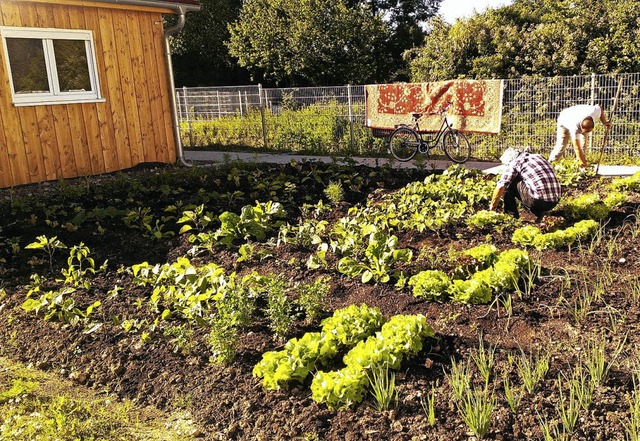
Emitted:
<point x="532" y="236"/>
<point x="401" y="337"/>
<point x="501" y="276"/>
<point x="300" y="356"/>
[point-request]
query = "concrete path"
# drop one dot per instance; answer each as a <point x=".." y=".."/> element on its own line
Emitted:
<point x="487" y="167"/>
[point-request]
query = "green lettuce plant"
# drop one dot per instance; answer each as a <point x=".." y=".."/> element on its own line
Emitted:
<point x="430" y="284"/>
<point x="469" y="291"/>
<point x="628" y="183"/>
<point x="484" y="219"/>
<point x="586" y="206"/>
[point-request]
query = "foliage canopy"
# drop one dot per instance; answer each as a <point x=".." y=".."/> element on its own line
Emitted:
<point x="532" y="37"/>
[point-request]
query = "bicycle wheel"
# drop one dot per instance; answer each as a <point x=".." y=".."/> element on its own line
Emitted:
<point x="403" y="143"/>
<point x="456" y="146"/>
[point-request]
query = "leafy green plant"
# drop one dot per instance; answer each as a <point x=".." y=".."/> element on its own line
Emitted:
<point x="48" y="245"/>
<point x="339" y="389"/>
<point x="223" y="340"/>
<point x="144" y="220"/>
<point x="532" y="236"/>
<point x="59" y="305"/>
<point x="312" y="295"/>
<point x="79" y="265"/>
<point x="401" y="337"/>
<point x="344" y="328"/>
<point x="253" y="222"/>
<point x="308" y="232"/>
<point x="469" y="291"/>
<point x="570" y="174"/>
<point x="197" y="219"/>
<point x="586" y="206"/>
<point x="474" y="259"/>
<point x="182" y="288"/>
<point x="485" y="219"/>
<point x="334" y="192"/>
<point x="628" y="183"/>
<point x="380" y="255"/>
<point x="430" y="284"/>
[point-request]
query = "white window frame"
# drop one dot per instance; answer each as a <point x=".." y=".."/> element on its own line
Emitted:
<point x="54" y="95"/>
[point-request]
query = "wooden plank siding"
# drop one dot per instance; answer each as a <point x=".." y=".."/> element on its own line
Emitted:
<point x="133" y="125"/>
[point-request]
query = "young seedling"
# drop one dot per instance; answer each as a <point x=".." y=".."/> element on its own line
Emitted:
<point x="513" y="396"/>
<point x="383" y="387"/>
<point x="569" y="407"/>
<point x="484" y="360"/>
<point x="632" y="423"/>
<point x="531" y="369"/>
<point x="334" y="192"/>
<point x="48" y="245"/>
<point x="428" y="403"/>
<point x="475" y="407"/>
<point x="458" y="378"/>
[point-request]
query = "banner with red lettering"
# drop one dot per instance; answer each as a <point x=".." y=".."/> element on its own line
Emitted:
<point x="476" y="104"/>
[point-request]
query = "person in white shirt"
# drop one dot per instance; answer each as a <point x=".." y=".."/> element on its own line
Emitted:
<point x="574" y="123"/>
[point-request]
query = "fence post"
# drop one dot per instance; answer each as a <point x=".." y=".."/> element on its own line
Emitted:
<point x="186" y="112"/>
<point x="240" y="102"/>
<point x="592" y="102"/>
<point x="350" y="117"/>
<point x="262" y="116"/>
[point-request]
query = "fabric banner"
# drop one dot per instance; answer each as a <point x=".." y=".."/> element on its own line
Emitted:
<point x="476" y="104"/>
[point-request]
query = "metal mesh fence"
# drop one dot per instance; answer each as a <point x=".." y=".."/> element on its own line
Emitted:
<point x="330" y="120"/>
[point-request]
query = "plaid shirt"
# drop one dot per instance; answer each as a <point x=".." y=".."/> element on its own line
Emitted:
<point x="536" y="173"/>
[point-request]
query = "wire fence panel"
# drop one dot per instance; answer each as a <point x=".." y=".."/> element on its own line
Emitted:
<point x="331" y="120"/>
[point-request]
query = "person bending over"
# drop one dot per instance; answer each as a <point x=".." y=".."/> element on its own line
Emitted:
<point x="529" y="178"/>
<point x="574" y="123"/>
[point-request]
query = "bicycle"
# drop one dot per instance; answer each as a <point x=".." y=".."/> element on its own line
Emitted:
<point x="406" y="140"/>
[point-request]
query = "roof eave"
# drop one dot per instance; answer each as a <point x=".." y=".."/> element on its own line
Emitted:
<point x="178" y="7"/>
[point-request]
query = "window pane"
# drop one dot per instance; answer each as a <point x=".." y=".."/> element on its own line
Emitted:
<point x="71" y="62"/>
<point x="28" y="68"/>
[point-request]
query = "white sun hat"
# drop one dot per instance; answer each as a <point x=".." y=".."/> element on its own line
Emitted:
<point x="509" y="155"/>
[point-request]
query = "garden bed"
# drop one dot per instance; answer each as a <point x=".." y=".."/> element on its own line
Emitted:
<point x="574" y="305"/>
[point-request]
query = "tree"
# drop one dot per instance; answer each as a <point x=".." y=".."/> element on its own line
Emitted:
<point x="532" y="37"/>
<point x="201" y="57"/>
<point x="308" y="42"/>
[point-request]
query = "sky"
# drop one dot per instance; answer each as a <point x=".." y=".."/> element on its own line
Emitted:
<point x="452" y="9"/>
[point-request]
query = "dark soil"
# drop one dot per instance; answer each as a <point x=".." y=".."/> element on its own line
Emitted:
<point x="228" y="402"/>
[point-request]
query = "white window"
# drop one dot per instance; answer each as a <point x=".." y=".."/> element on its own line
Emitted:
<point x="50" y="66"/>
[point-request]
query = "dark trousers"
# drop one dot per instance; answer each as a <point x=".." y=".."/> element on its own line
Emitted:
<point x="518" y="191"/>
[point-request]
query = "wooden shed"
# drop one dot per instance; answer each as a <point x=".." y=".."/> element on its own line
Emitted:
<point x="85" y="87"/>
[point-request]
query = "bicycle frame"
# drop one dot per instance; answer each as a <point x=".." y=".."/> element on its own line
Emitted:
<point x="433" y="139"/>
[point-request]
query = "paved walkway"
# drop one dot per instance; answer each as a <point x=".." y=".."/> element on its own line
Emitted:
<point x="487" y="167"/>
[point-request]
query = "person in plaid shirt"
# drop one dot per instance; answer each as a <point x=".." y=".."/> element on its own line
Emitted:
<point x="529" y="178"/>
